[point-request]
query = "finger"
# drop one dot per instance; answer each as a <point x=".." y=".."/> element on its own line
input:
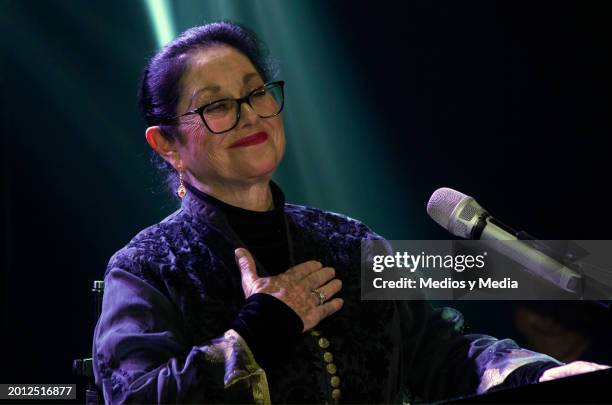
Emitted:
<point x="304" y="269"/>
<point x="325" y="292"/>
<point x="329" y="308"/>
<point x="318" y="313"/>
<point x="246" y="264"/>
<point x="330" y="289"/>
<point x="319" y="277"/>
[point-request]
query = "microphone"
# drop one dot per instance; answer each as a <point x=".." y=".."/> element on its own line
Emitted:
<point x="462" y="216"/>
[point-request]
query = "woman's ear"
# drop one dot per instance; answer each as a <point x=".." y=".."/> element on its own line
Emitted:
<point x="162" y="145"/>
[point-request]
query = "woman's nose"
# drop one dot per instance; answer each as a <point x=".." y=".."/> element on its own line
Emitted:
<point x="248" y="116"/>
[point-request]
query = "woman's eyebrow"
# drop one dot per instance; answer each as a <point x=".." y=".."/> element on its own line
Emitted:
<point x="249" y="76"/>
<point x="212" y="89"/>
<point x="216" y="89"/>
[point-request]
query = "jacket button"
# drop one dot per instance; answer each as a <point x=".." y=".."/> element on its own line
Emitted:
<point x="336" y="394"/>
<point x="335" y="381"/>
<point x="331" y="368"/>
<point x="323" y="343"/>
<point x="328" y="357"/>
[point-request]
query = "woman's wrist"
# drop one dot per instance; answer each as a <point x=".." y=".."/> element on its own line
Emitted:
<point x="268" y="326"/>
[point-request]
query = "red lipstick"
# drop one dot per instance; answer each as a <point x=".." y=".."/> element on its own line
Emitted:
<point x="254" y="139"/>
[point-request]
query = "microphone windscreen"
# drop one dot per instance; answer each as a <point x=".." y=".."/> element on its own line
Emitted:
<point x="442" y="203"/>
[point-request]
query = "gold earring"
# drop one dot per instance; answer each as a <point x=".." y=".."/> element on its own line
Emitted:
<point x="181" y="190"/>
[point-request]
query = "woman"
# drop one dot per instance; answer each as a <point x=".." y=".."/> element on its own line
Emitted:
<point x="240" y="297"/>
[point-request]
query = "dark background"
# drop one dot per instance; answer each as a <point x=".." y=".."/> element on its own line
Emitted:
<point x="506" y="101"/>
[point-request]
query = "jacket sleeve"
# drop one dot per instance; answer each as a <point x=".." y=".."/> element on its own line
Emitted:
<point x="443" y="363"/>
<point x="140" y="354"/>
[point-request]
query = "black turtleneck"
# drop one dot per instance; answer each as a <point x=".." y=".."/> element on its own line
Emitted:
<point x="269" y="326"/>
<point x="264" y="234"/>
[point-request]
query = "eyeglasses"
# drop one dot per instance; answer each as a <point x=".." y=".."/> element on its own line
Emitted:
<point x="223" y="115"/>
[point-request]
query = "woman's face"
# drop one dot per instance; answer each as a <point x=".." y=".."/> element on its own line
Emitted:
<point x="216" y="159"/>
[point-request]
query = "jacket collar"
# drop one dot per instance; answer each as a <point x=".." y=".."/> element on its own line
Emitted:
<point x="208" y="215"/>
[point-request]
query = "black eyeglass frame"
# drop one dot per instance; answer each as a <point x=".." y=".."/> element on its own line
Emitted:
<point x="240" y="101"/>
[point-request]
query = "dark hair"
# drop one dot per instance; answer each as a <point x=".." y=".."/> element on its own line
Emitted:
<point x="160" y="84"/>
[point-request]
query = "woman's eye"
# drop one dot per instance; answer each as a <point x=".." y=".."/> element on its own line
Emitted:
<point x="217" y="108"/>
<point x="259" y="93"/>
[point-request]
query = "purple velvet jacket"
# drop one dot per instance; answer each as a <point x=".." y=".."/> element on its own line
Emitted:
<point x="173" y="291"/>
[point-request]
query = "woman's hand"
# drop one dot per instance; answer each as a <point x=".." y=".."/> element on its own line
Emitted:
<point x="576" y="367"/>
<point x="295" y="287"/>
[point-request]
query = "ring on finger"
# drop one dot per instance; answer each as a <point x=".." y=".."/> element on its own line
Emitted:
<point x="320" y="295"/>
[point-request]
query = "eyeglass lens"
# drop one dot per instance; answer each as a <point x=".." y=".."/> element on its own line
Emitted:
<point x="223" y="115"/>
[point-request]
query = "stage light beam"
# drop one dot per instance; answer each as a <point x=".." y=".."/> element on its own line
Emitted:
<point x="162" y="20"/>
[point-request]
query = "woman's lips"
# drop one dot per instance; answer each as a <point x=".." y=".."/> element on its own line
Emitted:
<point x="250" y="140"/>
